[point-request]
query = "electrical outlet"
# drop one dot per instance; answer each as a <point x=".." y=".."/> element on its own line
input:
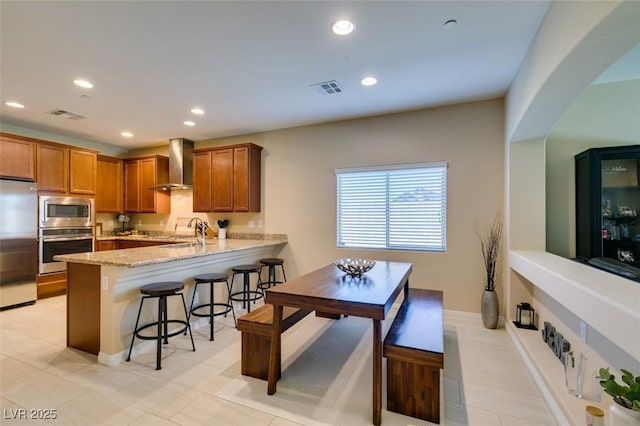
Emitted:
<point x="105" y="282"/>
<point x="583" y="331"/>
<point x="260" y="224"/>
<point x="111" y="223"/>
<point x="161" y="222"/>
<point x="252" y="224"/>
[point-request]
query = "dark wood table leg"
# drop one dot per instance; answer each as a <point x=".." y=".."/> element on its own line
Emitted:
<point x="274" y="353"/>
<point x="377" y="372"/>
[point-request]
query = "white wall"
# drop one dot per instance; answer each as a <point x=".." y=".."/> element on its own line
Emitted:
<point x="575" y="43"/>
<point x="299" y="197"/>
<point x="299" y="189"/>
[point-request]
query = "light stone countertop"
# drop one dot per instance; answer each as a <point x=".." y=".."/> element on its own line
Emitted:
<point x="143" y="256"/>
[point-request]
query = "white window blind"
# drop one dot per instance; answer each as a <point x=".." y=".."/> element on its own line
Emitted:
<point x="395" y="207"/>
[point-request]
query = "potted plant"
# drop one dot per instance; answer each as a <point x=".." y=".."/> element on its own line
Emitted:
<point x="490" y="244"/>
<point x="222" y="231"/>
<point x="625" y="410"/>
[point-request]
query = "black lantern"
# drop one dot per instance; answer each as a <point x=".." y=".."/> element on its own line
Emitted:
<point x="525" y="316"/>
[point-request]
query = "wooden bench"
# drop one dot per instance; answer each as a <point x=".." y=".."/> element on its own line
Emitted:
<point x="414" y="348"/>
<point x="256" y="337"/>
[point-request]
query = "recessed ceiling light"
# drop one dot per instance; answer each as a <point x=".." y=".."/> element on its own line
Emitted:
<point x="450" y="24"/>
<point x="14" y="104"/>
<point x="127" y="134"/>
<point x="343" y="27"/>
<point x="198" y="111"/>
<point x="368" y="81"/>
<point x="189" y="123"/>
<point x="83" y="83"/>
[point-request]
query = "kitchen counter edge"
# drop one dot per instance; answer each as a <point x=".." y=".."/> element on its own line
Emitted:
<point x="135" y="257"/>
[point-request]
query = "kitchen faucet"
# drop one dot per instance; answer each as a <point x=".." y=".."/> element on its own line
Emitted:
<point x="202" y="229"/>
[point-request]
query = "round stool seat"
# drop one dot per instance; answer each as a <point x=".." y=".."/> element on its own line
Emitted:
<point x="166" y="288"/>
<point x="213" y="277"/>
<point x="245" y="268"/>
<point x="272" y="261"/>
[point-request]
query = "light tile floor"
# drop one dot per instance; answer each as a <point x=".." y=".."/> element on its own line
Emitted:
<point x="485" y="380"/>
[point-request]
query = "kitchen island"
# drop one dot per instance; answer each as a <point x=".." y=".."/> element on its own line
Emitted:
<point x="103" y="287"/>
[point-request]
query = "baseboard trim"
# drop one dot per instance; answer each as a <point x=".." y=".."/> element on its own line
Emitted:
<point x="547" y="395"/>
<point x="469" y="316"/>
<point x="110" y="360"/>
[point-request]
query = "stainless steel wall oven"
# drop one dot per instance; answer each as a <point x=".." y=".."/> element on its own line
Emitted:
<point x="66" y="227"/>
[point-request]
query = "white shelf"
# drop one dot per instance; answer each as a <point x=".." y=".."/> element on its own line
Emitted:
<point x="608" y="303"/>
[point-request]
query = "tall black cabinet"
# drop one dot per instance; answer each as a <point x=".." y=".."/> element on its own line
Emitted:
<point x="608" y="203"/>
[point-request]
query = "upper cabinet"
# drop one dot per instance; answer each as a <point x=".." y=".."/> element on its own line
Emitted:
<point x="140" y="176"/>
<point x="109" y="190"/>
<point x="66" y="170"/>
<point x="227" y="179"/>
<point x="17" y="157"/>
<point x="83" y="172"/>
<point x="202" y="181"/>
<point x="222" y="171"/>
<point x="53" y="168"/>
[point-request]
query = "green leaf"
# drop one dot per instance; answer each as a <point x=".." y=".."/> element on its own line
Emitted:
<point x="604" y="373"/>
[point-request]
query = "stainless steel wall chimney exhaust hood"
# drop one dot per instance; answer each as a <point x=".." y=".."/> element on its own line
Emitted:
<point x="180" y="165"/>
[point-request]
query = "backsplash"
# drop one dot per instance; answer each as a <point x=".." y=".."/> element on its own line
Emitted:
<point x="181" y="207"/>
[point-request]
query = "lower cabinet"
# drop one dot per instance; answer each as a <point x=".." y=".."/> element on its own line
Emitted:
<point x="50" y="285"/>
<point x="125" y="244"/>
<point x="105" y="245"/>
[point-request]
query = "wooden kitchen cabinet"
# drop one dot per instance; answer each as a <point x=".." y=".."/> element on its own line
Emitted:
<point x="109" y="191"/>
<point x="50" y="285"/>
<point x="222" y="171"/>
<point x="53" y="168"/>
<point x="202" y="182"/>
<point x="227" y="179"/>
<point x="66" y="170"/>
<point x="106" y="245"/>
<point x="83" y="170"/>
<point x="125" y="244"/>
<point x="246" y="178"/>
<point x="17" y="157"/>
<point x="140" y="176"/>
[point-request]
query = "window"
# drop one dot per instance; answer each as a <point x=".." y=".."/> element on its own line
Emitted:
<point x="393" y="207"/>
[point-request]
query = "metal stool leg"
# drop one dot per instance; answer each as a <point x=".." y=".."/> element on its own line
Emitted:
<point x="160" y="327"/>
<point x="230" y="302"/>
<point x="246" y="291"/>
<point x="188" y="324"/>
<point x="211" y="312"/>
<point x="272" y="275"/>
<point x="135" y="329"/>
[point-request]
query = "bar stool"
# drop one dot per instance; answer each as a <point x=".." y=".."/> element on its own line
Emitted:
<point x="246" y="296"/>
<point x="271" y="263"/>
<point x="211" y="279"/>
<point x="161" y="290"/>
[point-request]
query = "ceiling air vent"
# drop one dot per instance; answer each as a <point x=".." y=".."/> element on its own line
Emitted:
<point x="66" y="114"/>
<point x="327" y="87"/>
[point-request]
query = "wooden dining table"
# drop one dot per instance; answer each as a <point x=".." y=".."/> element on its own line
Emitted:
<point x="330" y="291"/>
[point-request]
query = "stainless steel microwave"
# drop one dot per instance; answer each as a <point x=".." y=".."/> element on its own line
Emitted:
<point x="65" y="212"/>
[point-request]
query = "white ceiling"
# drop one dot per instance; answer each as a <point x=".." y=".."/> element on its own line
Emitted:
<point x="248" y="64"/>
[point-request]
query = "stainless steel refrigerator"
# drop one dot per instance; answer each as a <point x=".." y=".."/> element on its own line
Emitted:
<point x="18" y="243"/>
